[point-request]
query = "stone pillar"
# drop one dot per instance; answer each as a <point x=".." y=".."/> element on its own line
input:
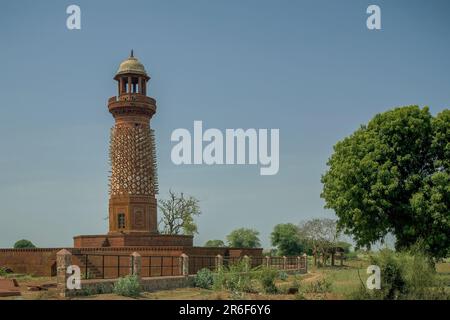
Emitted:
<point x="267" y="261"/>
<point x="219" y="262"/>
<point x="305" y="259"/>
<point x="284" y="263"/>
<point x="136" y="265"/>
<point x="63" y="261"/>
<point x="247" y="263"/>
<point x="130" y="85"/>
<point x="299" y="263"/>
<point x="184" y="265"/>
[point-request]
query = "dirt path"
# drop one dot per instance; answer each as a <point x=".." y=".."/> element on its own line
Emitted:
<point x="312" y="277"/>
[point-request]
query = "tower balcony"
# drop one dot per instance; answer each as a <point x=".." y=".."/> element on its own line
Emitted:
<point x="132" y="103"/>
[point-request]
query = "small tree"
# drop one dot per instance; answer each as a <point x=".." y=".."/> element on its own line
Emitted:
<point x="287" y="240"/>
<point x="24" y="244"/>
<point x="321" y="234"/>
<point x="215" y="243"/>
<point x="244" y="238"/>
<point x="178" y="214"/>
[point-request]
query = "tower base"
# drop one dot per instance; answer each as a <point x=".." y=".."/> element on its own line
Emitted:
<point x="131" y="240"/>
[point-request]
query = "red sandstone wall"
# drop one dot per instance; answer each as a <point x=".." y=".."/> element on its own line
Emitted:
<point x="39" y="262"/>
<point x="42" y="262"/>
<point x="125" y="240"/>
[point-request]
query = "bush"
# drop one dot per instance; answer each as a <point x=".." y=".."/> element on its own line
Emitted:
<point x="282" y="275"/>
<point x="404" y="275"/>
<point x="267" y="277"/>
<point x="235" y="278"/>
<point x="204" y="279"/>
<point x="24" y="244"/>
<point x="128" y="286"/>
<point x="319" y="286"/>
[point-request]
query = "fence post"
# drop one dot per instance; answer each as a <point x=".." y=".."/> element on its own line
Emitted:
<point x="219" y="262"/>
<point x="63" y="261"/>
<point x="136" y="265"/>
<point x="299" y="263"/>
<point x="184" y="264"/>
<point x="267" y="261"/>
<point x="284" y="263"/>
<point x="305" y="257"/>
<point x="247" y="263"/>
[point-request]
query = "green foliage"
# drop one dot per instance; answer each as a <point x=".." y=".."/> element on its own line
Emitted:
<point x="344" y="245"/>
<point x="235" y="278"/>
<point x="178" y="212"/>
<point x="267" y="277"/>
<point x="127" y="286"/>
<point x="244" y="238"/>
<point x="282" y="275"/>
<point x="318" y="235"/>
<point x="320" y="286"/>
<point x="215" y="243"/>
<point x="404" y="275"/>
<point x="204" y="279"/>
<point x="24" y="244"/>
<point x="352" y="255"/>
<point x="392" y="175"/>
<point x="3" y="272"/>
<point x="287" y="240"/>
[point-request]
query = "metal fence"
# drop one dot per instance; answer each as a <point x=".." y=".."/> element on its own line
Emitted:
<point x="108" y="266"/>
<point x="160" y="266"/>
<point x="102" y="266"/>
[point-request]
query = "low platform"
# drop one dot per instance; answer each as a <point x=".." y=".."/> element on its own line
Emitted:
<point x="9" y="288"/>
<point x="132" y="240"/>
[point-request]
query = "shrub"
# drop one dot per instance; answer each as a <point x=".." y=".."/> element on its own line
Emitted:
<point x="127" y="286"/>
<point x="204" y="279"/>
<point x="267" y="277"/>
<point x="235" y="278"/>
<point x="24" y="244"/>
<point x="393" y="283"/>
<point x="282" y="275"/>
<point x="320" y="286"/>
<point x="404" y="275"/>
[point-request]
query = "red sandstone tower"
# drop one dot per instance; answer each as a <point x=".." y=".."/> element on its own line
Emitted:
<point x="133" y="180"/>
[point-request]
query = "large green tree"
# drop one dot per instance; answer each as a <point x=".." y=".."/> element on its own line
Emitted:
<point x="392" y="175"/>
<point x="244" y="238"/>
<point x="287" y="240"/>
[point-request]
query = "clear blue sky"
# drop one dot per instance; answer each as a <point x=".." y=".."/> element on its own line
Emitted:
<point x="310" y="68"/>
